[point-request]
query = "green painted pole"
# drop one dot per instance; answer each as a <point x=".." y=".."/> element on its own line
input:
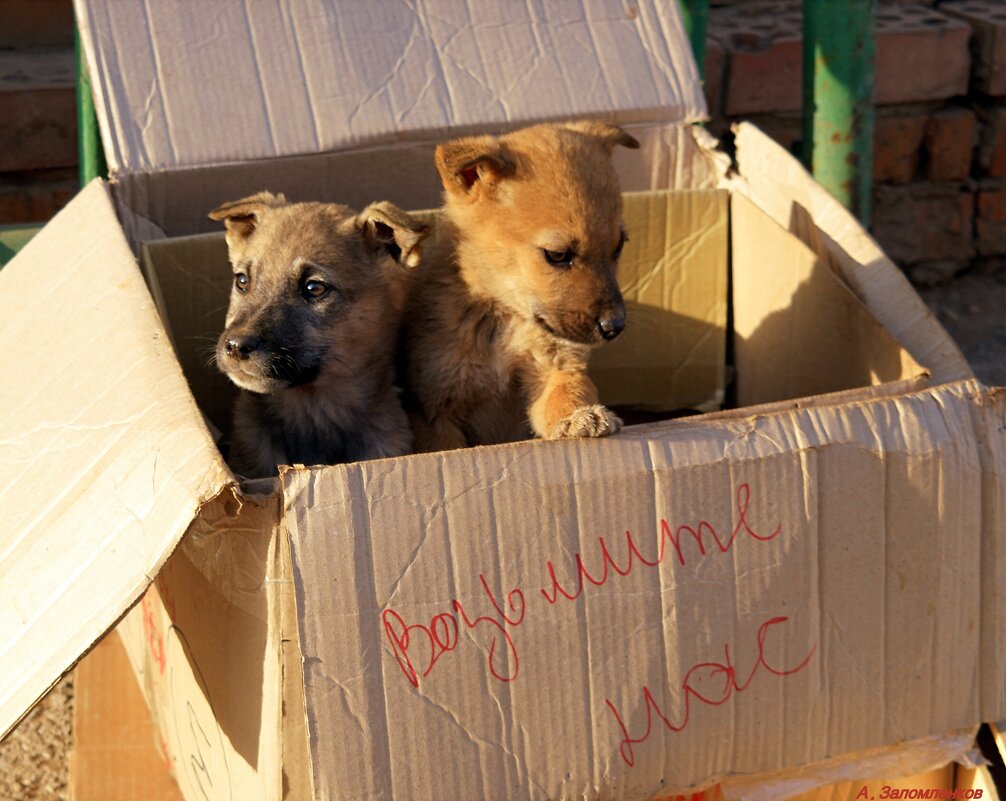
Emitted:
<point x="90" y="154"/>
<point x="839" y="75"/>
<point x="696" y="17"/>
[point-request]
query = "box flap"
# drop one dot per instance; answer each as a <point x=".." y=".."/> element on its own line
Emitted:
<point x="115" y="756"/>
<point x="782" y="188"/>
<point x="232" y="81"/>
<point x="634" y="616"/>
<point x="785" y="293"/>
<point x="104" y="459"/>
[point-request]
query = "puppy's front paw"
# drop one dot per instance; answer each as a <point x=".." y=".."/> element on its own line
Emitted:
<point x="587" y="421"/>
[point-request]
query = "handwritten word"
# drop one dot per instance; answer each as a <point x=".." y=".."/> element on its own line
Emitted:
<point x="442" y="635"/>
<point x="918" y="792"/>
<point x="722" y="676"/>
<point x="417" y="647"/>
<point x="667" y="535"/>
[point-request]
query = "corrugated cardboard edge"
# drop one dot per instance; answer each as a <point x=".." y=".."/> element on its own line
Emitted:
<point x="990" y="419"/>
<point x="226" y="495"/>
<point x="779" y="184"/>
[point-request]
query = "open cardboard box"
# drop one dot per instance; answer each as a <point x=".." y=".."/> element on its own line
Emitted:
<point x="489" y="623"/>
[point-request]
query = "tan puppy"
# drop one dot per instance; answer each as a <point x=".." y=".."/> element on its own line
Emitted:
<point x="311" y="329"/>
<point x="504" y="313"/>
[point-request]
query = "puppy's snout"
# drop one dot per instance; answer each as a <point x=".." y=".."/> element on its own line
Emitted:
<point x="242" y="347"/>
<point x="611" y="327"/>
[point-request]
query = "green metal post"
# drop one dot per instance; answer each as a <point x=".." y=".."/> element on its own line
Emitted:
<point x="89" y="150"/>
<point x="839" y="74"/>
<point x="696" y="16"/>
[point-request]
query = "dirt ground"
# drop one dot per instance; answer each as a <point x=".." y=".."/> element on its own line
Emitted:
<point x="972" y="308"/>
<point x="34" y="758"/>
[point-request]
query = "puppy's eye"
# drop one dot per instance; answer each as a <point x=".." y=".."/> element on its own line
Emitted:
<point x="621" y="244"/>
<point x="558" y="258"/>
<point x="241" y="282"/>
<point x="314" y="289"/>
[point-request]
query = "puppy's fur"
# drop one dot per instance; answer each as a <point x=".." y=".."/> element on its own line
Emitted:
<point x="505" y="309"/>
<point x="311" y="328"/>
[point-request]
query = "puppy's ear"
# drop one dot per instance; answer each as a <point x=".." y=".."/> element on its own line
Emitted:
<point x="387" y="228"/>
<point x="472" y="164"/>
<point x="607" y="134"/>
<point x="242" y="216"/>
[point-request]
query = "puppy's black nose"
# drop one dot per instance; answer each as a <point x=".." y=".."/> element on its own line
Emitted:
<point x="242" y="347"/>
<point x="611" y="327"/>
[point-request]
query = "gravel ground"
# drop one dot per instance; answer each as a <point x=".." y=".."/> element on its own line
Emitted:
<point x="34" y="758"/>
<point x="972" y="308"/>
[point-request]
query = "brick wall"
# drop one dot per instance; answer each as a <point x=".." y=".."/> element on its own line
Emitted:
<point x="939" y="200"/>
<point x="38" y="123"/>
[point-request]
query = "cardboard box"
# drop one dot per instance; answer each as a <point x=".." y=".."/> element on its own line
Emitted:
<point x="115" y="756"/>
<point x="800" y="580"/>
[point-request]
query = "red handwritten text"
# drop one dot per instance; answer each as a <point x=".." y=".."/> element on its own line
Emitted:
<point x="151" y="631"/>
<point x="442" y="635"/>
<point x="668" y="534"/>
<point x="721" y="680"/>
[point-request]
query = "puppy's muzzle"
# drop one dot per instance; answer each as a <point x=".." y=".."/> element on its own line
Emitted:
<point x="611" y="327"/>
<point x="242" y="348"/>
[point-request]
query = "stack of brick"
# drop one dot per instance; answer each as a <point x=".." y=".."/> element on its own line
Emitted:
<point x="940" y="138"/>
<point x="38" y="124"/>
